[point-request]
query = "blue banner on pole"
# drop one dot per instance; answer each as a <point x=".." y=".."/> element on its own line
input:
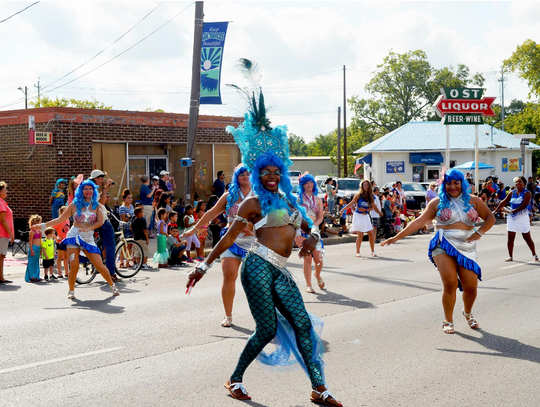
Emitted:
<point x="213" y="41"/>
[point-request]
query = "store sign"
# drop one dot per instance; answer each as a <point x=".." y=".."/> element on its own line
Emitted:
<point x="463" y="106"/>
<point x="43" y="137"/>
<point x="393" y="167"/>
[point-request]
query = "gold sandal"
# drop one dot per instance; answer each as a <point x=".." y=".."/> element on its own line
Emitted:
<point x="227" y="322"/>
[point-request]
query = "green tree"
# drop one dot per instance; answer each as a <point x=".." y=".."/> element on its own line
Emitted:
<point x="297" y="146"/>
<point x="526" y="62"/>
<point x="64" y="102"/>
<point x="403" y="88"/>
<point x="151" y="109"/>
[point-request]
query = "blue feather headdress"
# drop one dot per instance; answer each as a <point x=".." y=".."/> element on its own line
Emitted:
<point x="255" y="136"/>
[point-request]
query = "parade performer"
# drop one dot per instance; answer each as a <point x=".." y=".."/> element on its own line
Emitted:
<point x="453" y="246"/>
<point x="274" y="299"/>
<point x="87" y="216"/>
<point x="231" y="258"/>
<point x="361" y="223"/>
<point x="517" y="219"/>
<point x="308" y="198"/>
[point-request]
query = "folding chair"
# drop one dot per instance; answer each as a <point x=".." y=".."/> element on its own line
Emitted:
<point x="20" y="244"/>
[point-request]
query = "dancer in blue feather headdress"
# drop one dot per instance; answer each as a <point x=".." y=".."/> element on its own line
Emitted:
<point x="453" y="247"/>
<point x="231" y="259"/>
<point x="272" y="294"/>
<point x="87" y="216"/>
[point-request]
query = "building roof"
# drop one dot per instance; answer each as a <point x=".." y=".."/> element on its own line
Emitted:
<point x="422" y="136"/>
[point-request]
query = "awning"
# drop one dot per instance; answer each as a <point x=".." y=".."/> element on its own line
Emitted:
<point x="425" y="158"/>
<point x="366" y="159"/>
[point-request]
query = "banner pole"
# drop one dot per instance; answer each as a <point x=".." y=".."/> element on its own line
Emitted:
<point x="447" y="147"/>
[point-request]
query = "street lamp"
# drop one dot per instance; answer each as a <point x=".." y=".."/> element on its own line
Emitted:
<point x="25" y="91"/>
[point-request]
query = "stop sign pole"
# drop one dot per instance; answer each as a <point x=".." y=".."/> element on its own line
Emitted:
<point x="463" y="106"/>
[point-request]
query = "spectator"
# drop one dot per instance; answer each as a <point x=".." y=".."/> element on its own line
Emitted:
<point x="502" y="191"/>
<point x="47" y="246"/>
<point x="430" y="193"/>
<point x="202" y="232"/>
<point x="376" y="213"/>
<point x="163" y="178"/>
<point x="7" y="231"/>
<point x="399" y="195"/>
<point x="127" y="211"/>
<point x="140" y="235"/>
<point x="58" y="198"/>
<point x="162" y="255"/>
<point x="175" y="246"/>
<point x="147" y="196"/>
<point x="218" y="188"/>
<point x="215" y="224"/>
<point x="61" y="232"/>
<point x="530" y="185"/>
<point x="330" y="190"/>
<point x="32" y="268"/>
<point x="173" y="219"/>
<point x="189" y="221"/>
<point x="106" y="230"/>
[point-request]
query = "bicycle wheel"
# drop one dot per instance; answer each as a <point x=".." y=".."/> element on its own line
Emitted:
<point x="87" y="272"/>
<point x="128" y="258"/>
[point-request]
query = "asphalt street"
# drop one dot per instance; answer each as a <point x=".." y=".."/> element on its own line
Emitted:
<point x="155" y="346"/>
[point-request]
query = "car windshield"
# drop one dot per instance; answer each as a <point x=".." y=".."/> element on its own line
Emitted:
<point x="413" y="187"/>
<point x="349" y="184"/>
<point x="295" y="173"/>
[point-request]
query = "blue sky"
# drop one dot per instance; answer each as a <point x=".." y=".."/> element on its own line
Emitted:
<point x="300" y="46"/>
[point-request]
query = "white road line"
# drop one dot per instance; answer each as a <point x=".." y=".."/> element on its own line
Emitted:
<point x="47" y="362"/>
<point x="516" y="265"/>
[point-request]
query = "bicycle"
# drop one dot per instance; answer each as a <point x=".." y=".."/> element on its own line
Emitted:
<point x="128" y="257"/>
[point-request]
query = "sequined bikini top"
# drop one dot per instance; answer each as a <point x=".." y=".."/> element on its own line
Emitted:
<point x="233" y="210"/>
<point x="310" y="205"/>
<point x="86" y="218"/>
<point x="456" y="213"/>
<point x="280" y="217"/>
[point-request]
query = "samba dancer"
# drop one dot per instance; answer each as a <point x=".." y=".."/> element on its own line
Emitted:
<point x="453" y="246"/>
<point x="231" y="259"/>
<point x="87" y="216"/>
<point x="308" y="198"/>
<point x="268" y="285"/>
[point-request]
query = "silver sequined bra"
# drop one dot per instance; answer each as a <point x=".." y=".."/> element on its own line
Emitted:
<point x="276" y="260"/>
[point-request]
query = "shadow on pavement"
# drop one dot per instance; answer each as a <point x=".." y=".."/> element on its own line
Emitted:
<point x="330" y="297"/>
<point x="501" y="346"/>
<point x="9" y="287"/>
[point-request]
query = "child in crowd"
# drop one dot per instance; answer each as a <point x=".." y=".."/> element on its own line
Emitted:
<point x="48" y="253"/>
<point x="343" y="217"/>
<point x="32" y="268"/>
<point x="189" y="221"/>
<point x="173" y="219"/>
<point x="176" y="247"/>
<point x="397" y="222"/>
<point x="140" y="235"/>
<point x="61" y="232"/>
<point x="202" y="232"/>
<point x="162" y="255"/>
<point x="58" y="198"/>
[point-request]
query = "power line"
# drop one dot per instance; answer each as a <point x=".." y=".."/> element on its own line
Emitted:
<point x="103" y="64"/>
<point x="100" y="52"/>
<point x="18" y="12"/>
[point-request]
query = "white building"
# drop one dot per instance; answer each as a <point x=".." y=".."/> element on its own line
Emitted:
<point x="416" y="152"/>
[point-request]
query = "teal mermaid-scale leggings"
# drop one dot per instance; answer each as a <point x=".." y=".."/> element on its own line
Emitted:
<point x="267" y="288"/>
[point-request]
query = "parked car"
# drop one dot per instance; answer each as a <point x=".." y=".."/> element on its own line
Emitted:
<point x="415" y="193"/>
<point x="294" y="175"/>
<point x="347" y="187"/>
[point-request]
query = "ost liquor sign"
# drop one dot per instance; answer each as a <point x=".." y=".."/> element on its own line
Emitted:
<point x="463" y="106"/>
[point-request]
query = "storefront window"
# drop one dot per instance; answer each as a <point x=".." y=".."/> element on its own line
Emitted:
<point x="433" y="173"/>
<point x="418" y="173"/>
<point x="226" y="158"/>
<point x="203" y="170"/>
<point x="111" y="159"/>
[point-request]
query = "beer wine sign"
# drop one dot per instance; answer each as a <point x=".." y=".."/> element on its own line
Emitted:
<point x="463" y="106"/>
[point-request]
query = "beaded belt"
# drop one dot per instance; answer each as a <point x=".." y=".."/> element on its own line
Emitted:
<point x="269" y="255"/>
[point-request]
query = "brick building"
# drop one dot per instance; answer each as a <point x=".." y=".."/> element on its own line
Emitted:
<point x="125" y="144"/>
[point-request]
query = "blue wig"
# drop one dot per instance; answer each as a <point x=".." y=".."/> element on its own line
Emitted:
<point x="79" y="202"/>
<point x="234" y="189"/>
<point x="303" y="180"/>
<point x="268" y="200"/>
<point x="454" y="175"/>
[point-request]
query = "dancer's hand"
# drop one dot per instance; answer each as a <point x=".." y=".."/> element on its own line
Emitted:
<point x="308" y="247"/>
<point x="189" y="232"/>
<point x="473" y="238"/>
<point x="248" y="232"/>
<point x="194" y="277"/>
<point x="388" y="242"/>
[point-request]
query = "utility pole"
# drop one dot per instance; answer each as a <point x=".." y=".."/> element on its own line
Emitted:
<point x="194" y="98"/>
<point x="502" y="98"/>
<point x="38" y="93"/>
<point x="25" y="91"/>
<point x="344" y="126"/>
<point x="338" y="141"/>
